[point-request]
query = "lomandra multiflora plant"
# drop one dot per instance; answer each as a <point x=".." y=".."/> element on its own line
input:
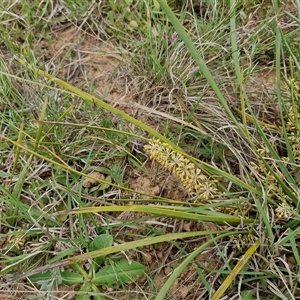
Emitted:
<point x="198" y="185"/>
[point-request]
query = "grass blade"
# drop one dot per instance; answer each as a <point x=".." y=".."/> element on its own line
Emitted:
<point x="175" y="274"/>
<point x="239" y="266"/>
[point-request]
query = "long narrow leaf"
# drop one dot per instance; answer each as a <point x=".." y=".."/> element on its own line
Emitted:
<point x="239" y="266"/>
<point x="159" y="212"/>
<point x="175" y="274"/>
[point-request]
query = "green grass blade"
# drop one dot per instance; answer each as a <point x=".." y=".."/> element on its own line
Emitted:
<point x="234" y="46"/>
<point x="17" y="153"/>
<point x="159" y="212"/>
<point x="239" y="266"/>
<point x="39" y="133"/>
<point x="175" y="274"/>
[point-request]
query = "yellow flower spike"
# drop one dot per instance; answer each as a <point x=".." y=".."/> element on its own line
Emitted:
<point x="195" y="182"/>
<point x="196" y="175"/>
<point x="183" y="173"/>
<point x="206" y="192"/>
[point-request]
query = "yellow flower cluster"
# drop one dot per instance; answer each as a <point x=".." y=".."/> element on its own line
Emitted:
<point x="283" y="211"/>
<point x="197" y="184"/>
<point x="244" y="240"/>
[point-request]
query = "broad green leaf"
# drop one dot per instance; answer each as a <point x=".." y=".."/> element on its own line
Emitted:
<point x="79" y="268"/>
<point x="105" y="185"/>
<point x="247" y="295"/>
<point x="84" y="288"/>
<point x="121" y="272"/>
<point x="100" y="242"/>
<point x="62" y="206"/>
<point x="96" y="290"/>
<point x="65" y="277"/>
<point x="40" y="277"/>
<point x="69" y="277"/>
